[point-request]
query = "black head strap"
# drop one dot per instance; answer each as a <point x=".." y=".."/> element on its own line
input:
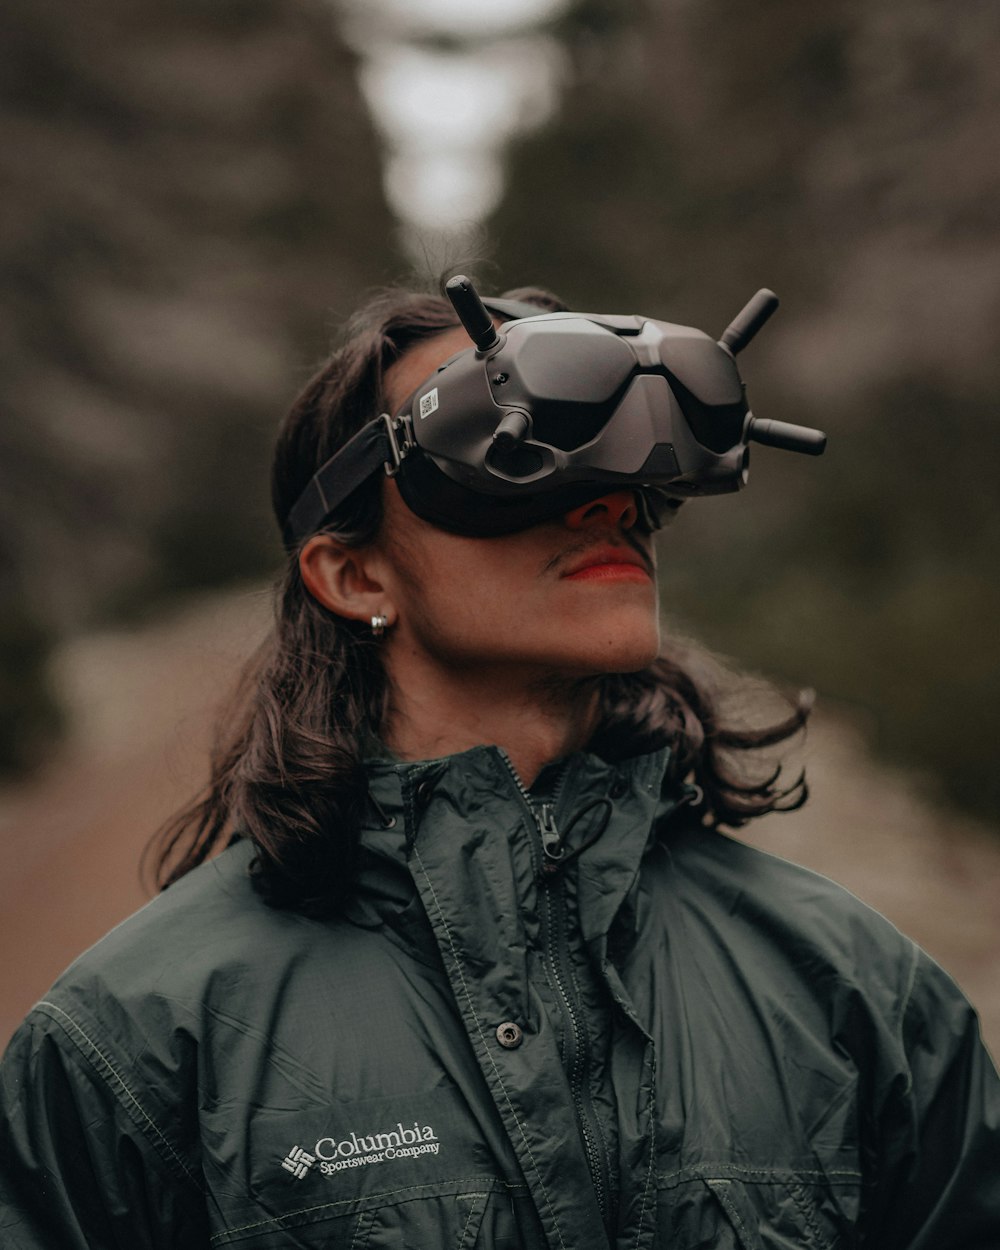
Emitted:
<point x="353" y="464"/>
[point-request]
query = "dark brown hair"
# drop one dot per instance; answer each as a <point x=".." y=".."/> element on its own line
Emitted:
<point x="287" y="768"/>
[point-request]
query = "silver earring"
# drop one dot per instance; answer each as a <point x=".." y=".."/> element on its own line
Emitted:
<point x="379" y="622"/>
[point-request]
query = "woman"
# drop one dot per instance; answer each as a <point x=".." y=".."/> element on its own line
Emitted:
<point x="476" y="967"/>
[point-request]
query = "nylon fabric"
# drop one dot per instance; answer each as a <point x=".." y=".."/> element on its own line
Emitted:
<point x="718" y="1050"/>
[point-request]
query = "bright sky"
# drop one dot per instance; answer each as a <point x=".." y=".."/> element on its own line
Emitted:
<point x="460" y="17"/>
<point x="445" y="115"/>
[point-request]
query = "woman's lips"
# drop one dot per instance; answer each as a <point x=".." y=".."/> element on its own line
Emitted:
<point x="610" y="570"/>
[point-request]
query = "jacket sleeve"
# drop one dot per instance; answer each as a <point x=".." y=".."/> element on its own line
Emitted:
<point x="78" y="1168"/>
<point x="938" y="1178"/>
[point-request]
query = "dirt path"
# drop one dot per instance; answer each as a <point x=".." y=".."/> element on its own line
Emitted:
<point x="142" y="703"/>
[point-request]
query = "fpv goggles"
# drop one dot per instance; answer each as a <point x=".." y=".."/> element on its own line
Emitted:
<point x="556" y="409"/>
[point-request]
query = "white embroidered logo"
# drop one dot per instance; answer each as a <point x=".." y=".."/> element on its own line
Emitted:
<point x="358" y="1150"/>
<point x="298" y="1162"/>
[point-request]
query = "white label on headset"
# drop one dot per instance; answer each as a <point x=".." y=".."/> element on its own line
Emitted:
<point x="428" y="403"/>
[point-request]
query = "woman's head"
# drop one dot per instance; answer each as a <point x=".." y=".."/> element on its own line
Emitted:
<point x="573" y="597"/>
<point x="575" y="594"/>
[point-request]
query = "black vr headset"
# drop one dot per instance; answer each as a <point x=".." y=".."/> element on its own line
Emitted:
<point x="556" y="409"/>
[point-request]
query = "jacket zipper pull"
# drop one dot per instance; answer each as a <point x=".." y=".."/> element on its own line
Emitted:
<point x="552" y="845"/>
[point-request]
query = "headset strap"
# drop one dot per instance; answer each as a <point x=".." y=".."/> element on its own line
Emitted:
<point x="357" y="460"/>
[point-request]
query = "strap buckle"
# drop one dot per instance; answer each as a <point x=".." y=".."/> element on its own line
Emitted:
<point x="399" y="450"/>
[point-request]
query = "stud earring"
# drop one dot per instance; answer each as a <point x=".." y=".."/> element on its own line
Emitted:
<point x="379" y="622"/>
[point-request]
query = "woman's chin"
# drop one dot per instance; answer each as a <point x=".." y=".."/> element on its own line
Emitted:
<point x="621" y="652"/>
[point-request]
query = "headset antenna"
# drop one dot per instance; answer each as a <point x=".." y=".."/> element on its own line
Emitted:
<point x="473" y="314"/>
<point x="781" y="434"/>
<point x="748" y="321"/>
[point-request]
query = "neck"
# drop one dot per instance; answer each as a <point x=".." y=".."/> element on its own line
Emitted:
<point x="532" y="717"/>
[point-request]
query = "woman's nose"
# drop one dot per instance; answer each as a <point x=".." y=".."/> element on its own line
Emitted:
<point x="616" y="510"/>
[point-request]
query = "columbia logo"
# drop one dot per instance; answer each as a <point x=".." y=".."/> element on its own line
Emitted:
<point x="298" y="1162"/>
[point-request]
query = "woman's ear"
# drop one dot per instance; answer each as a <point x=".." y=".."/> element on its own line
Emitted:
<point x="347" y="580"/>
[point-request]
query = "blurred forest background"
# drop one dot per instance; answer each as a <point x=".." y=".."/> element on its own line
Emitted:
<point x="847" y="156"/>
<point x="194" y="195"/>
<point x="189" y="189"/>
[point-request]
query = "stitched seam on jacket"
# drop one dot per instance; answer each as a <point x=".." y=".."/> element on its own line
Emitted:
<point x="730" y="1209"/>
<point x="652" y="1146"/>
<point x="801" y="1200"/>
<point x="365" y="1224"/>
<point x="473" y="1208"/>
<point x="482" y="1038"/>
<point x="439" y="1190"/>
<point x="159" y="1135"/>
<point x="765" y="1176"/>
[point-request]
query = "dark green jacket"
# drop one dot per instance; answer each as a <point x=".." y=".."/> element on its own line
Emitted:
<point x="662" y="1038"/>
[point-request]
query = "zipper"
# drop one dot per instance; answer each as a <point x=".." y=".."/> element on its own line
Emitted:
<point x="578" y="1051"/>
<point x="552" y="843"/>
<point x="554" y="947"/>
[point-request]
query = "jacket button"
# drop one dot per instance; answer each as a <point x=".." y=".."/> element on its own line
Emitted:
<point x="509" y="1035"/>
<point x="423" y="793"/>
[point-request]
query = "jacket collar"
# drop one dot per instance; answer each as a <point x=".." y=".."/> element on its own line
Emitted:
<point x="464" y="825"/>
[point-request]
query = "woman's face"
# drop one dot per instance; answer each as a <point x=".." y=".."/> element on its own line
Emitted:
<point x="575" y="596"/>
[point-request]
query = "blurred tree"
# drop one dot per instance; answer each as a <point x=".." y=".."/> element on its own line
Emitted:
<point x="844" y="155"/>
<point x="188" y="190"/>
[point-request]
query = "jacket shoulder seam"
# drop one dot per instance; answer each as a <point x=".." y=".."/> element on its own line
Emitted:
<point x="904" y="1004"/>
<point x="118" y="1085"/>
<point x="911" y="980"/>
